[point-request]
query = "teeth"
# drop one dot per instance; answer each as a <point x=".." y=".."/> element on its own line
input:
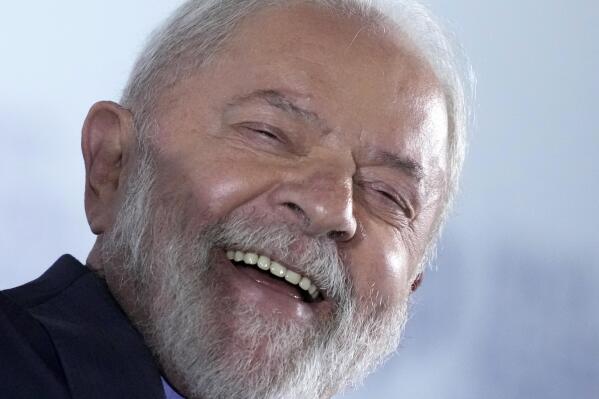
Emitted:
<point x="264" y="262"/>
<point x="250" y="258"/>
<point x="275" y="268"/>
<point x="238" y="256"/>
<point x="292" y="277"/>
<point x="305" y="284"/>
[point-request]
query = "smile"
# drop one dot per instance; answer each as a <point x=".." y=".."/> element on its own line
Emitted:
<point x="308" y="290"/>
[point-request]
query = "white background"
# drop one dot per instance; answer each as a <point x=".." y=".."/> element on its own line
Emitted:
<point x="512" y="309"/>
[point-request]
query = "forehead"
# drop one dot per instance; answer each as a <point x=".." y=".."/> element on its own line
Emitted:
<point x="365" y="84"/>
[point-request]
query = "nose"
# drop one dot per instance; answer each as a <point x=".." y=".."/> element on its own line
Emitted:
<point x="321" y="202"/>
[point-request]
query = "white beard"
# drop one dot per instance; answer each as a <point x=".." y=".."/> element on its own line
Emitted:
<point x="181" y="307"/>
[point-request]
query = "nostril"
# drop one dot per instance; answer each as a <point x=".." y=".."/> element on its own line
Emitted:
<point x="294" y="207"/>
<point x="297" y="211"/>
<point x="337" y="235"/>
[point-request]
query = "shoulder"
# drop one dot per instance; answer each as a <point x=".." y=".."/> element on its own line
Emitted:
<point x="30" y="366"/>
<point x="65" y="331"/>
<point x="62" y="274"/>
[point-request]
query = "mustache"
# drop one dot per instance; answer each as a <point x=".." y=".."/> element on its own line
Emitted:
<point x="317" y="258"/>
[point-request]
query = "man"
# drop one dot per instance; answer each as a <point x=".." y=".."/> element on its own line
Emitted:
<point x="265" y="197"/>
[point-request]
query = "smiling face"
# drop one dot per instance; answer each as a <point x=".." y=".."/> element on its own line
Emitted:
<point x="309" y="120"/>
<point x="329" y="140"/>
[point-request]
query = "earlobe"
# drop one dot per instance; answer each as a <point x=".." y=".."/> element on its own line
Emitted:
<point x="105" y="138"/>
<point x="417" y="281"/>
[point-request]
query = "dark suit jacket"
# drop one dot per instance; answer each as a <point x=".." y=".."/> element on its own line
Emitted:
<point x="64" y="336"/>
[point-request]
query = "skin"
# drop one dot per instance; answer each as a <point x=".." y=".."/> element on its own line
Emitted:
<point x="229" y="141"/>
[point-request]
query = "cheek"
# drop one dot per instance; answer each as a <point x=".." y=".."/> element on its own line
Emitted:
<point x="213" y="180"/>
<point x="381" y="266"/>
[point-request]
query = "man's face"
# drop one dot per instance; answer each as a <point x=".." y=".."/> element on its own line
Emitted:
<point x="311" y="124"/>
<point x="307" y="120"/>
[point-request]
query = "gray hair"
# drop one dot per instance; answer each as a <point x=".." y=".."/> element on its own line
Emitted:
<point x="192" y="36"/>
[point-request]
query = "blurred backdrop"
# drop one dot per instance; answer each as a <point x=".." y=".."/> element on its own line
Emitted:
<point x="511" y="308"/>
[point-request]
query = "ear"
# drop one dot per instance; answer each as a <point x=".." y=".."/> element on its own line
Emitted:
<point x="417" y="281"/>
<point x="105" y="143"/>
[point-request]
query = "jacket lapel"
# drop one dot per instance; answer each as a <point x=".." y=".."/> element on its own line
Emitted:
<point x="103" y="356"/>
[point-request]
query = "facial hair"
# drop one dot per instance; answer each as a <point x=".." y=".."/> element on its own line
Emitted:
<point x="166" y="278"/>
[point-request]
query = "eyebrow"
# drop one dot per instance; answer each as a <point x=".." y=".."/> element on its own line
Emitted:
<point x="398" y="162"/>
<point x="279" y="100"/>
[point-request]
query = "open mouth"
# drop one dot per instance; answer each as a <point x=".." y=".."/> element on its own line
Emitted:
<point x="275" y="275"/>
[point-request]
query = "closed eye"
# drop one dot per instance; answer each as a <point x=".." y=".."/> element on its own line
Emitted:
<point x="390" y="197"/>
<point x="387" y="201"/>
<point x="266" y="131"/>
